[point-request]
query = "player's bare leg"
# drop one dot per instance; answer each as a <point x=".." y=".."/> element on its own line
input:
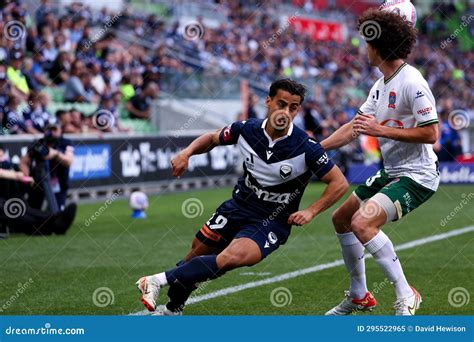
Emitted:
<point x="240" y="252"/>
<point x="366" y="224"/>
<point x="358" y="298"/>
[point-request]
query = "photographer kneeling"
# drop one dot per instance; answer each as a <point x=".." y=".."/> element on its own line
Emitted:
<point x="17" y="215"/>
<point x="48" y="161"/>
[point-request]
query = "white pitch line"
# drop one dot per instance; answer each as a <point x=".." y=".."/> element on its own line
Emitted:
<point x="312" y="269"/>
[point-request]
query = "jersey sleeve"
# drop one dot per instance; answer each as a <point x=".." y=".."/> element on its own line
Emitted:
<point x="422" y="103"/>
<point x="368" y="107"/>
<point x="317" y="159"/>
<point x="230" y="134"/>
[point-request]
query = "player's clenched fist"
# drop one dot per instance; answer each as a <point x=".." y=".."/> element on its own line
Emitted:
<point x="180" y="163"/>
<point x="301" y="217"/>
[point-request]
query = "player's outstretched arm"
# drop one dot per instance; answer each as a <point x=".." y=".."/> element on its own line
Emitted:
<point x="342" y="136"/>
<point x="336" y="187"/>
<point x="367" y="124"/>
<point x="202" y="144"/>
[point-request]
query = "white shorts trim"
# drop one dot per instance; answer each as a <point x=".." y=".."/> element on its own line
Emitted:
<point x="387" y="205"/>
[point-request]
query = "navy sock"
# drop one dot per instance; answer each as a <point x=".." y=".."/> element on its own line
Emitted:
<point x="196" y="270"/>
<point x="179" y="293"/>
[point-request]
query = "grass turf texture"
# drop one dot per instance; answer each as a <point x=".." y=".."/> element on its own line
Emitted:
<point x="114" y="251"/>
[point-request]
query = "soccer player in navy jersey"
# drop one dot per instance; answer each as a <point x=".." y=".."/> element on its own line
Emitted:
<point x="279" y="161"/>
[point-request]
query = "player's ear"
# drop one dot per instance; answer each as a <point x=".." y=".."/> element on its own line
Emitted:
<point x="267" y="100"/>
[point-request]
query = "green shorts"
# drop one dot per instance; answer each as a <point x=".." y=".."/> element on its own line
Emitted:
<point x="404" y="192"/>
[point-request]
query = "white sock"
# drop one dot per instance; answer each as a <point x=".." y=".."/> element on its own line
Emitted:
<point x="384" y="254"/>
<point x="160" y="279"/>
<point x="353" y="254"/>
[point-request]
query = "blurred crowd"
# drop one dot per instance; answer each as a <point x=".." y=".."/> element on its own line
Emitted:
<point x="55" y="53"/>
<point x="58" y="49"/>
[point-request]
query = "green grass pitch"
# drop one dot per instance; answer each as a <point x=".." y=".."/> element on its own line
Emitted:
<point x="60" y="274"/>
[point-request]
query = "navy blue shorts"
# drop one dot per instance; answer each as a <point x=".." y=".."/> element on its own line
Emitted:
<point x="232" y="221"/>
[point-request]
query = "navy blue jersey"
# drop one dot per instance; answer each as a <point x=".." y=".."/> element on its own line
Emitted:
<point x="275" y="172"/>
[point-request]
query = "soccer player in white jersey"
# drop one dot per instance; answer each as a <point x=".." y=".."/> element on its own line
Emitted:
<point x="401" y="112"/>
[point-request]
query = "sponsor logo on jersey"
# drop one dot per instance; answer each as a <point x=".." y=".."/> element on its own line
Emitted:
<point x="268" y="196"/>
<point x="425" y="111"/>
<point x="323" y="159"/>
<point x="285" y="171"/>
<point x="269" y="154"/>
<point x="419" y="94"/>
<point x="392" y="98"/>
<point x="392" y="123"/>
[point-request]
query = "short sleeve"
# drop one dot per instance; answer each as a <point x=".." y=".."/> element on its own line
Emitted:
<point x="230" y="134"/>
<point x="422" y="103"/>
<point x="317" y="159"/>
<point x="368" y="107"/>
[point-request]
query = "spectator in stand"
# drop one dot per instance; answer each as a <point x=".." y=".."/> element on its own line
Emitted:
<point x="97" y="82"/>
<point x="31" y="80"/>
<point x="12" y="120"/>
<point x="78" y="86"/>
<point x="64" y="119"/>
<point x="35" y="116"/>
<point x="60" y="70"/>
<point x="76" y="120"/>
<point x="108" y="105"/>
<point x="139" y="106"/>
<point x="37" y="71"/>
<point x="252" y="103"/>
<point x="448" y="148"/>
<point x="312" y="120"/>
<point x="5" y="87"/>
<point x="16" y="77"/>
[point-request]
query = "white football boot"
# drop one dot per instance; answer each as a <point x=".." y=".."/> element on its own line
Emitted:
<point x="162" y="310"/>
<point x="351" y="305"/>
<point x="407" y="306"/>
<point x="149" y="290"/>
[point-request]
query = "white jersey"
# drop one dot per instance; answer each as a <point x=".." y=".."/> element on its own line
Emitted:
<point x="404" y="101"/>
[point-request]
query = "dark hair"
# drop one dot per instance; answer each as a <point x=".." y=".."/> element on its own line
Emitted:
<point x="60" y="112"/>
<point x="391" y="35"/>
<point x="286" y="84"/>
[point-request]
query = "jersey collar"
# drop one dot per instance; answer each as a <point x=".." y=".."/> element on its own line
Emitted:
<point x="385" y="81"/>
<point x="271" y="142"/>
